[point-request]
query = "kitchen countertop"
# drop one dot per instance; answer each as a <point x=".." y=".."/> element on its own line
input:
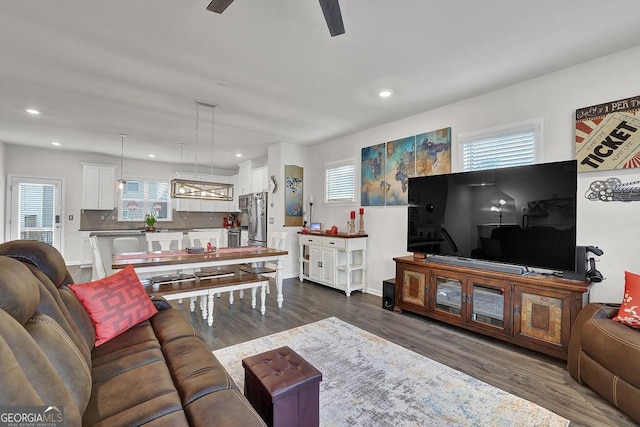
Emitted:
<point x="137" y="232"/>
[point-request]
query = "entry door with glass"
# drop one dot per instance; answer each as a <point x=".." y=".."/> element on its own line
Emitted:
<point x="36" y="206"/>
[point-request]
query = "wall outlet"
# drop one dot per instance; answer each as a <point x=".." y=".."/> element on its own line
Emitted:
<point x="70" y="217"/>
<point x="271" y="221"/>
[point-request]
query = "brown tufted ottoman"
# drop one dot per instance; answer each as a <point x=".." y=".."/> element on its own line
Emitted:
<point x="283" y="388"/>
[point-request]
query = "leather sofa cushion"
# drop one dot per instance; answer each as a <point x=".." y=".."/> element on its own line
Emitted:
<point x="196" y="372"/>
<point x="170" y="325"/>
<point x="614" y="346"/>
<point x="224" y="408"/>
<point x="133" y="395"/>
<point x="134" y="340"/>
<point x="41" y="256"/>
<point x="19" y="290"/>
<point x="28" y="377"/>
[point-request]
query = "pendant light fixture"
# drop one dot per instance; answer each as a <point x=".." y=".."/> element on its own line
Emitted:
<point x="121" y="182"/>
<point x="195" y="189"/>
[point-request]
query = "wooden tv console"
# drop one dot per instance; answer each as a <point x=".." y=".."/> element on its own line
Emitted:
<point x="533" y="311"/>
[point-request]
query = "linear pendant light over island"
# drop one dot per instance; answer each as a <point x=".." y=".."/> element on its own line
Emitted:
<point x="190" y="189"/>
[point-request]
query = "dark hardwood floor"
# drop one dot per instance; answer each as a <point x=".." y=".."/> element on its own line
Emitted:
<point x="530" y="375"/>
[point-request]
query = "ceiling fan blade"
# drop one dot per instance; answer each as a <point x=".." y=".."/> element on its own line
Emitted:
<point x="333" y="16"/>
<point x="218" y="6"/>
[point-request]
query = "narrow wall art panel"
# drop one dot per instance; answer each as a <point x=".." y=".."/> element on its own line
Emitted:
<point x="372" y="173"/>
<point x="433" y="152"/>
<point x="400" y="166"/>
<point x="293" y="201"/>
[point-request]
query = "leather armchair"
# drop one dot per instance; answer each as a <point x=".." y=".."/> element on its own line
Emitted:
<point x="605" y="355"/>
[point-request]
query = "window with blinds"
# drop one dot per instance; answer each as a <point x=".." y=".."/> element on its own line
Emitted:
<point x="513" y="145"/>
<point x="340" y="182"/>
<point x="36" y="204"/>
<point x="142" y="196"/>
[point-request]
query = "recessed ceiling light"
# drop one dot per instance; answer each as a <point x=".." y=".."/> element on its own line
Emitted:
<point x="385" y="93"/>
<point x="238" y="154"/>
<point x="56" y="143"/>
<point x="152" y="156"/>
<point x="32" y="111"/>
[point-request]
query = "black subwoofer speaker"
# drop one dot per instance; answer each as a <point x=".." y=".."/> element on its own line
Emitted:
<point x="389" y="294"/>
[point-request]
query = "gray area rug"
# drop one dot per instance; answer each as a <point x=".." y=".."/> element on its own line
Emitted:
<point x="369" y="381"/>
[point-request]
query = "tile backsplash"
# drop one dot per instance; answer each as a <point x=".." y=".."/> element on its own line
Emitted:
<point x="96" y="220"/>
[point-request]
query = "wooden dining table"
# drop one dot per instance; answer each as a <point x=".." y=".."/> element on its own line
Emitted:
<point x="158" y="262"/>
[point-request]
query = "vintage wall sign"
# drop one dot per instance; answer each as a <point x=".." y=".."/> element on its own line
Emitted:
<point x="608" y="135"/>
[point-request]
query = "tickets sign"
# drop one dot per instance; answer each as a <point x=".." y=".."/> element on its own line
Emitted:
<point x="608" y="135"/>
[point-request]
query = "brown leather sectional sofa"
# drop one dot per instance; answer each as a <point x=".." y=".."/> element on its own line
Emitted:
<point x="158" y="373"/>
<point x="605" y="355"/>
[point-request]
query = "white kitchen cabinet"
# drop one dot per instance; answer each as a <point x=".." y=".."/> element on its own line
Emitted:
<point x="244" y="178"/>
<point x="260" y="179"/>
<point x="338" y="261"/>
<point x="99" y="187"/>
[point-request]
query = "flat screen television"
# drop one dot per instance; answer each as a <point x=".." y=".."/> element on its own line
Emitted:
<point x="523" y="215"/>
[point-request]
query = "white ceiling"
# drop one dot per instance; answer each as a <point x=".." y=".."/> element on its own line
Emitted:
<point x="96" y="68"/>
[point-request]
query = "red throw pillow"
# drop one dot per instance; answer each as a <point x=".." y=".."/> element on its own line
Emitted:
<point x="629" y="312"/>
<point x="115" y="303"/>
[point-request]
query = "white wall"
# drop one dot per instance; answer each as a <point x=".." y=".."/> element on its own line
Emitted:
<point x="613" y="226"/>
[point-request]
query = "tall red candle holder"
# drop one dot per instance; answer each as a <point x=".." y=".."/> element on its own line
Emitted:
<point x="361" y="227"/>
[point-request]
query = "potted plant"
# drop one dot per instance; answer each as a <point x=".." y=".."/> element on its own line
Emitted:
<point x="150" y="221"/>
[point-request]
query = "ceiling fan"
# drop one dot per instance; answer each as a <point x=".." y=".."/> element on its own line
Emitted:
<point x="330" y="9"/>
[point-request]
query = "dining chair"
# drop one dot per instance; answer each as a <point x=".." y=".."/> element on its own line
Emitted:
<point x="277" y="240"/>
<point x="98" y="271"/>
<point x="167" y="241"/>
<point x="122" y="245"/>
<point x="164" y="240"/>
<point x="199" y="239"/>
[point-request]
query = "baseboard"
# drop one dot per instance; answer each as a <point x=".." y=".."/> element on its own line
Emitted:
<point x="371" y="291"/>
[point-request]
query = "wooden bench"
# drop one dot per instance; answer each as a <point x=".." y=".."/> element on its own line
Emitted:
<point x="209" y="287"/>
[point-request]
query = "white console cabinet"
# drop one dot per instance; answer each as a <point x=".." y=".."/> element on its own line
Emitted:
<point x="338" y="261"/>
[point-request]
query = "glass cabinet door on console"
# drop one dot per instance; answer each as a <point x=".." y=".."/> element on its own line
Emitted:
<point x="478" y="302"/>
<point x="489" y="305"/>
<point x="449" y="295"/>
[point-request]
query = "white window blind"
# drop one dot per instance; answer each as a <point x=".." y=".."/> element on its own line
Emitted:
<point x="340" y="182"/>
<point x="36" y="212"/>
<point x="512" y="145"/>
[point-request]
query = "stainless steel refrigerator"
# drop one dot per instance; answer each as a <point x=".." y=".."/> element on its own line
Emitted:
<point x="257" y="215"/>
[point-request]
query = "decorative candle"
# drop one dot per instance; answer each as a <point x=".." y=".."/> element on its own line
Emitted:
<point x="353" y="214"/>
<point x="361" y="211"/>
